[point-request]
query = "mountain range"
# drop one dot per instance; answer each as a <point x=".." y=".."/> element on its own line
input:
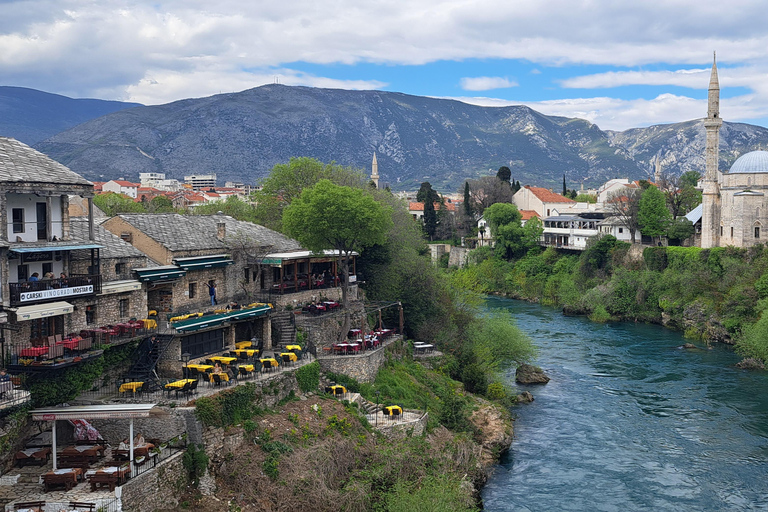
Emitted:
<point x="241" y="136"/>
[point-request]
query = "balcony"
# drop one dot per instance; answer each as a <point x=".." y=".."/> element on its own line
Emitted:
<point x="36" y="292"/>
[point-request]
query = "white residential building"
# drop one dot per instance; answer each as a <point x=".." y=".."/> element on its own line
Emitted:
<point x="122" y="187"/>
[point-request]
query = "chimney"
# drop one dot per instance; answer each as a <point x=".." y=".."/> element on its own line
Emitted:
<point x="221" y="230"/>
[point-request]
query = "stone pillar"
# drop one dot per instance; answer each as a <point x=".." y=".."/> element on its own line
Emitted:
<point x="65" y="217"/>
<point x="91" y="236"/>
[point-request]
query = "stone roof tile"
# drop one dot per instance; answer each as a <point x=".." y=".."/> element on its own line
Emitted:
<point x="21" y="163"/>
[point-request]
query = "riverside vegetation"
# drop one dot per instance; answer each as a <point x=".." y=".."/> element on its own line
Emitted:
<point x="320" y="454"/>
<point x="717" y="294"/>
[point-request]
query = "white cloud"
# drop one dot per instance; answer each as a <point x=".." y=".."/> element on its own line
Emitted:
<point x="486" y="83"/>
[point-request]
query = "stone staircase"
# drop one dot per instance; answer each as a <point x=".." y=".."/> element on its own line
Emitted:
<point x="283" y="323"/>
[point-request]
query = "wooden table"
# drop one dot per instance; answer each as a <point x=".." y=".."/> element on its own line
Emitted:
<point x="62" y="477"/>
<point x="293" y="347"/>
<point x="250" y="352"/>
<point x="38" y="456"/>
<point x="243" y="344"/>
<point x="178" y="384"/>
<point x="107" y="477"/>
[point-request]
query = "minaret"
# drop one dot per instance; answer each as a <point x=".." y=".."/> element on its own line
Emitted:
<point x="657" y="174"/>
<point x="710" y="221"/>
<point x="375" y="171"/>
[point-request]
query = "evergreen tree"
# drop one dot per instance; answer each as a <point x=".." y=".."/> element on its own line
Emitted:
<point x="430" y="219"/>
<point x="467" y="200"/>
<point x="504" y="174"/>
<point x="565" y="190"/>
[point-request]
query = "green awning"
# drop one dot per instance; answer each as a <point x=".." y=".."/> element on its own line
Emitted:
<point x="50" y="247"/>
<point x="242" y="314"/>
<point x="203" y="322"/>
<point x="202" y="262"/>
<point x="195" y="324"/>
<point x="165" y="273"/>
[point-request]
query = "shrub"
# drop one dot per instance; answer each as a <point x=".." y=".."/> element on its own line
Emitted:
<point x="195" y="462"/>
<point x="308" y="377"/>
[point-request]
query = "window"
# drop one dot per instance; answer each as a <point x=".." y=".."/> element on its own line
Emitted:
<point x="192" y="290"/>
<point x="90" y="314"/>
<point x="757" y="231"/>
<point x="731" y="231"/>
<point x="119" y="268"/>
<point x="247" y="274"/>
<point x="721" y="230"/>
<point x="124" y="307"/>
<point x="47" y="267"/>
<point x="22" y="272"/>
<point x="127" y="237"/>
<point x="18" y="220"/>
<point x="621" y="230"/>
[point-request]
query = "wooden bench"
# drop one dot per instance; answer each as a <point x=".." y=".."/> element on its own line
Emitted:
<point x="30" y="505"/>
<point x="78" y="505"/>
<point x="74" y="461"/>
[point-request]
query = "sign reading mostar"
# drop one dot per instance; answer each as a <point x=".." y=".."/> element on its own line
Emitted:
<point x="56" y="292"/>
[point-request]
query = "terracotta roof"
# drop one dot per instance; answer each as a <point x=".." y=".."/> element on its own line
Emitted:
<point x="124" y="183"/>
<point x="419" y="207"/>
<point x="547" y="196"/>
<point x="528" y="214"/>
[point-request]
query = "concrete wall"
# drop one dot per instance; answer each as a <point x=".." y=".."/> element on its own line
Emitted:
<point x="458" y="256"/>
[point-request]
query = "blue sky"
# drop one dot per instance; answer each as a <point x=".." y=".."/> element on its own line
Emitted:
<point x="617" y="64"/>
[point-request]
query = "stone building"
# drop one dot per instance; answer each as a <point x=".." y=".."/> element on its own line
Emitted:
<point x="37" y="242"/>
<point x="734" y="205"/>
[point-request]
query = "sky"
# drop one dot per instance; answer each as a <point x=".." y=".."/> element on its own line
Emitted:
<point x="618" y="64"/>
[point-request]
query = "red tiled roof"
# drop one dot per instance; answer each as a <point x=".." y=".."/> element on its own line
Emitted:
<point x="124" y="183"/>
<point x="547" y="196"/>
<point x="419" y="207"/>
<point x="528" y="214"/>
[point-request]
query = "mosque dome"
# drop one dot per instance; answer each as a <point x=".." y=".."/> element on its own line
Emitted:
<point x="752" y="162"/>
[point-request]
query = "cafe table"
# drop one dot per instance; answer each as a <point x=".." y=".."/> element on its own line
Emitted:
<point x="202" y="368"/>
<point x="131" y="386"/>
<point x="34" y="351"/>
<point x="70" y="343"/>
<point x="247" y="367"/>
<point x="178" y="384"/>
<point x="393" y="410"/>
<point x="293" y="347"/>
<point x="223" y="359"/>
<point x="336" y="389"/>
<point x="243" y="344"/>
<point x="224" y="376"/>
<point x="269" y="362"/>
<point x="250" y="352"/>
<point x="291" y="356"/>
<point x="149" y="323"/>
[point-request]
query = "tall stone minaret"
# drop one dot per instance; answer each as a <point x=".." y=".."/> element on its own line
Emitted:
<point x="710" y="221"/>
<point x="375" y="171"/>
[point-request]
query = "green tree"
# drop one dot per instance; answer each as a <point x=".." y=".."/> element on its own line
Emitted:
<point x="112" y="203"/>
<point x="286" y="182"/>
<point x="504" y="174"/>
<point x="511" y="239"/>
<point x="430" y="219"/>
<point x="233" y="206"/>
<point x="679" y="229"/>
<point x="565" y="190"/>
<point x="427" y="194"/>
<point x="653" y="216"/>
<point x="345" y="219"/>
<point x="160" y="204"/>
<point x="467" y="200"/>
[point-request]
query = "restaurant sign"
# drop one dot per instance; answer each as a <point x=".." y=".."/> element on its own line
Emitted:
<point x="272" y="261"/>
<point x="56" y="293"/>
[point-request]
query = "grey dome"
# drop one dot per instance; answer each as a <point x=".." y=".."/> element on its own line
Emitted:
<point x="752" y="162"/>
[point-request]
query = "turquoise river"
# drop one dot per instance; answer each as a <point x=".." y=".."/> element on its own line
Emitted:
<point x="631" y="421"/>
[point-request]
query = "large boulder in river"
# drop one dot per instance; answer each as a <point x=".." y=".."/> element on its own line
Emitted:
<point x="750" y="364"/>
<point x="525" y="397"/>
<point x="528" y="374"/>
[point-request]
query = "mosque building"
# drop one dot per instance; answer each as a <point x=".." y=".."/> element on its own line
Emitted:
<point x="734" y="206"/>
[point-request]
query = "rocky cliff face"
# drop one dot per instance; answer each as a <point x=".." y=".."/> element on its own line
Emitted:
<point x="241" y="136"/>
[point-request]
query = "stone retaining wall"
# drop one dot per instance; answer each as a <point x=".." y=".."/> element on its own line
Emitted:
<point x="404" y="429"/>
<point x="155" y="490"/>
<point x="362" y="367"/>
<point x="162" y="427"/>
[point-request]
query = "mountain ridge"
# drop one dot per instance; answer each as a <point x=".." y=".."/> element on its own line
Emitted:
<point x="241" y="136"/>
